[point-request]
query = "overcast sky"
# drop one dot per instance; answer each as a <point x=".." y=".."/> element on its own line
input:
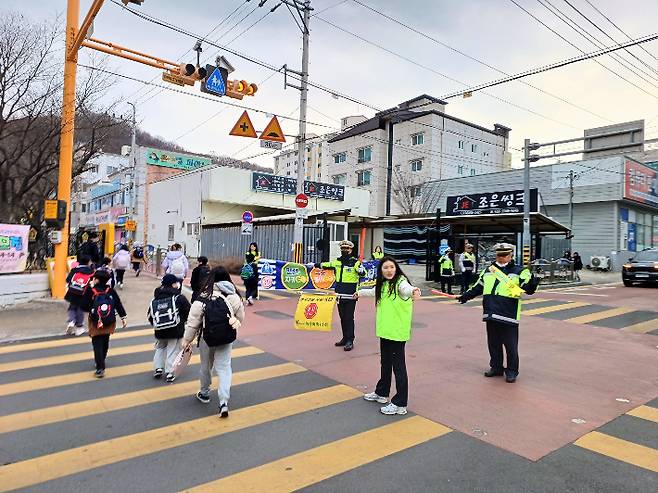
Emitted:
<point x="494" y="31"/>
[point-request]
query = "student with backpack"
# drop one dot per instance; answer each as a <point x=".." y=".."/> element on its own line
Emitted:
<point x="249" y="273"/>
<point x="78" y="282"/>
<point x="168" y="312"/>
<point x="215" y="318"/>
<point x="199" y="277"/>
<point x="121" y="263"/>
<point x="394" y="303"/>
<point x="137" y="258"/>
<point x="105" y="304"/>
<point x="106" y="265"/>
<point x="176" y="262"/>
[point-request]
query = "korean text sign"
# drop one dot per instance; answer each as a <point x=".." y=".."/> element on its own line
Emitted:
<point x="13" y="247"/>
<point x="640" y="183"/>
<point x="508" y="202"/>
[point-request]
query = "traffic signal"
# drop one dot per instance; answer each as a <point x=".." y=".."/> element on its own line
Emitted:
<point x="138" y="2"/>
<point x="190" y="70"/>
<point x="240" y="88"/>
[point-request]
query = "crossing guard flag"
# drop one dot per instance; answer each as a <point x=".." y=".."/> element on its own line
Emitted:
<point x="315" y="312"/>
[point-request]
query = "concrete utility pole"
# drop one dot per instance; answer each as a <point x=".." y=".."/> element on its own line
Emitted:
<point x="571" y="177"/>
<point x="133" y="170"/>
<point x="526" y="202"/>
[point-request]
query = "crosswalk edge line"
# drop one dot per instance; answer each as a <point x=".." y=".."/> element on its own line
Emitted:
<point x="619" y="449"/>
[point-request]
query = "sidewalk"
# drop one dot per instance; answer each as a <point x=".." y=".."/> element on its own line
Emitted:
<point x="47" y="317"/>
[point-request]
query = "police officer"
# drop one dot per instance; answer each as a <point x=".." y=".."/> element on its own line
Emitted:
<point x="347" y="269"/>
<point x="446" y="271"/>
<point x="467" y="267"/>
<point x="502" y="285"/>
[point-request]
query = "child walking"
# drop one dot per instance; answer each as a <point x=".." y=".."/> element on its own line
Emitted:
<point x="79" y="285"/>
<point x="121" y="263"/>
<point x="168" y="313"/>
<point x="394" y="302"/>
<point x="105" y="304"/>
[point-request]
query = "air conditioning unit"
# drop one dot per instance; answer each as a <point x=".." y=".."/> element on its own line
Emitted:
<point x="598" y="262"/>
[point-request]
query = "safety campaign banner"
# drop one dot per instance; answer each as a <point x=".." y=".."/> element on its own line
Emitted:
<point x="13" y="247"/>
<point x="315" y="312"/>
<point x="279" y="274"/>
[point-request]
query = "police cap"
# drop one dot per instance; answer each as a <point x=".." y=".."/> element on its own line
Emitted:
<point x="346" y="244"/>
<point x="503" y="248"/>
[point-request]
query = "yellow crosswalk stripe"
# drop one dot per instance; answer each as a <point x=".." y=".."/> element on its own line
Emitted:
<point x="71" y="341"/>
<point x="643" y="327"/>
<point x="88" y="376"/>
<point x="70" y="358"/>
<point x="271" y="296"/>
<point x="593" y="317"/>
<point x="622" y="450"/>
<point x="80" y="459"/>
<point x="320" y="463"/>
<point x="555" y="308"/>
<point x="530" y="301"/>
<point x="645" y="412"/>
<point x="64" y="412"/>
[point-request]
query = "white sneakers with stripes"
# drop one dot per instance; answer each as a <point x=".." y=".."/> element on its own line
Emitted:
<point x="373" y="397"/>
<point x="393" y="409"/>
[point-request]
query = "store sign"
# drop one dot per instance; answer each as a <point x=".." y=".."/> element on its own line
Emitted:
<point x="265" y="182"/>
<point x="476" y="204"/>
<point x="173" y="160"/>
<point x="13" y="247"/>
<point x="640" y="183"/>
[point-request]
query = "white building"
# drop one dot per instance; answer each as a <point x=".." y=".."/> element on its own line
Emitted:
<point x="399" y="149"/>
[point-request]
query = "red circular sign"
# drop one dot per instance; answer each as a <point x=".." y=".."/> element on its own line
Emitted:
<point x="301" y="200"/>
<point x="311" y="310"/>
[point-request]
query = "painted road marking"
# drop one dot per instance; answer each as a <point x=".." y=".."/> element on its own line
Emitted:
<point x="71" y="341"/>
<point x="88" y="376"/>
<point x="593" y="317"/>
<point x="80" y="459"/>
<point x="643" y="327"/>
<point x="555" y="308"/>
<point x="70" y="358"/>
<point x="271" y="296"/>
<point x="622" y="450"/>
<point x="56" y="414"/>
<point x="645" y="412"/>
<point x="317" y="464"/>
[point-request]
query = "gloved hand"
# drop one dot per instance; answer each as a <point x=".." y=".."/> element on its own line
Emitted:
<point x="461" y="299"/>
<point x="235" y="323"/>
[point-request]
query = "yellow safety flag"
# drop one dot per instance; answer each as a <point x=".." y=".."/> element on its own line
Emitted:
<point x="514" y="289"/>
<point x="315" y="312"/>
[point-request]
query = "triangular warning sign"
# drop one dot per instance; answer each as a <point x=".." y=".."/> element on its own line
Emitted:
<point x="273" y="131"/>
<point x="243" y="127"/>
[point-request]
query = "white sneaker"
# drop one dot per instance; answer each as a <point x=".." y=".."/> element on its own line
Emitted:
<point x="373" y="397"/>
<point x="120" y="285"/>
<point x="250" y="301"/>
<point x="80" y="331"/>
<point x="223" y="410"/>
<point x="70" y="329"/>
<point x="393" y="409"/>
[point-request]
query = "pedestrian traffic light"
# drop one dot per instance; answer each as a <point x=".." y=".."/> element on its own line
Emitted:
<point x="190" y="70"/>
<point x="239" y="88"/>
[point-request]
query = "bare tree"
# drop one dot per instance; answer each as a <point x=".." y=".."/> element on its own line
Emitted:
<point x="410" y="194"/>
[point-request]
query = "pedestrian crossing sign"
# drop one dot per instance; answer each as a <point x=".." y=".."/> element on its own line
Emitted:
<point x="215" y="83"/>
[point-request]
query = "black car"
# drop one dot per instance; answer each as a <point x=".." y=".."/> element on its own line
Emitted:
<point x="641" y="268"/>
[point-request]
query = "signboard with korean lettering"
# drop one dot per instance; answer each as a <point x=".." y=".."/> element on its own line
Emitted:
<point x="13" y="247"/>
<point x="640" y="183"/>
<point x="475" y="204"/>
<point x="168" y="159"/>
<point x="265" y="182"/>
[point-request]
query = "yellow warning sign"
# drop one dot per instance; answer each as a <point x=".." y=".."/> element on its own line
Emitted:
<point x="273" y="131"/>
<point x="244" y="127"/>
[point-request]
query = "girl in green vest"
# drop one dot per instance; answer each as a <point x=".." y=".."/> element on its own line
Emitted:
<point x="394" y="302"/>
<point x="378" y="254"/>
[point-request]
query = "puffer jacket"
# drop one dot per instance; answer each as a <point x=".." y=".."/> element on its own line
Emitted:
<point x="195" y="318"/>
<point x="121" y="260"/>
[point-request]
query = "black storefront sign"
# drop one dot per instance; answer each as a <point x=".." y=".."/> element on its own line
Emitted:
<point x="265" y="182"/>
<point x="475" y="204"/>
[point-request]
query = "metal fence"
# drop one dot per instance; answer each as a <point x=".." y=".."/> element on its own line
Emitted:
<point x="554" y="272"/>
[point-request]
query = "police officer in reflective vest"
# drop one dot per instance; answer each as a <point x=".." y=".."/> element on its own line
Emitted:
<point x="502" y="285"/>
<point x="467" y="267"/>
<point x="446" y="271"/>
<point x="347" y="269"/>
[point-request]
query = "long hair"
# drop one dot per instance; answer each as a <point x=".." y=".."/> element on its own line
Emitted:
<point x="218" y="274"/>
<point x="378" y="249"/>
<point x="392" y="284"/>
<point x="255" y="245"/>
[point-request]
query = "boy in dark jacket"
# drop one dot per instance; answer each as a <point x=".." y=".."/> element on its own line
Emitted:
<point x="79" y="284"/>
<point x="168" y="313"/>
<point x="199" y="277"/>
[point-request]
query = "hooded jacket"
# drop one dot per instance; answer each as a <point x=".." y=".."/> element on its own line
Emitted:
<point x="195" y="318"/>
<point x="121" y="260"/>
<point x="183" y="311"/>
<point x="169" y="260"/>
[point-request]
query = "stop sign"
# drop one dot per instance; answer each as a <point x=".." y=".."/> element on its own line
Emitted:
<point x="301" y="200"/>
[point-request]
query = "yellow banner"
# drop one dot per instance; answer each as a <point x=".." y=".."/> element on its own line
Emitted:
<point x="315" y="312"/>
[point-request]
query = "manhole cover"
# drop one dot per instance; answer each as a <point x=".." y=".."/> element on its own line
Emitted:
<point x="276" y="315"/>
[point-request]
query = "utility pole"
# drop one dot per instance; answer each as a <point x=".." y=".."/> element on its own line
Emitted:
<point x="304" y="11"/>
<point x="527" y="159"/>
<point x="133" y="172"/>
<point x="571" y="177"/>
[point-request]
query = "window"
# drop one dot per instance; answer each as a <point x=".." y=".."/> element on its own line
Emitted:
<point x="170" y="233"/>
<point x="415" y="191"/>
<point x="340" y="157"/>
<point x="461" y="144"/>
<point x="474" y="148"/>
<point x="417" y="139"/>
<point x="339" y="179"/>
<point x="189" y="229"/>
<point x="192" y="229"/>
<point x="363" y="178"/>
<point x="417" y="165"/>
<point x="365" y="154"/>
<point x="472" y="171"/>
<point x="287" y="173"/>
<point x="83" y="207"/>
<point x="460" y="170"/>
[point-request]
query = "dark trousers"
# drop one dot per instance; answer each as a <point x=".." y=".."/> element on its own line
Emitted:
<point x="446" y="280"/>
<point x="346" y="313"/>
<point x="120" y="273"/>
<point x="251" y="288"/>
<point x="467" y="279"/>
<point x="392" y="359"/>
<point x="101" y="344"/>
<point x="501" y="335"/>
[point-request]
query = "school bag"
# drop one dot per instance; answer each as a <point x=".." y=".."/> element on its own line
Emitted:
<point x="164" y="312"/>
<point x="216" y="329"/>
<point x="177" y="267"/>
<point x="80" y="282"/>
<point x="102" y="307"/>
<point x="138" y="253"/>
<point x="247" y="272"/>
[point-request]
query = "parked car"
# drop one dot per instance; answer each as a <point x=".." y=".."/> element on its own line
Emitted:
<point x="643" y="267"/>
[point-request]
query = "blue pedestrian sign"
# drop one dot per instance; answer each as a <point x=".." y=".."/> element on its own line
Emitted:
<point x="215" y="82"/>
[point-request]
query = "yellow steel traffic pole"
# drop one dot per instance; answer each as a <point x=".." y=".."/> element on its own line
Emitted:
<point x="66" y="143"/>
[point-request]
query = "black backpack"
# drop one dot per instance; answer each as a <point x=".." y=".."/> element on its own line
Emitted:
<point x="102" y="307"/>
<point x="216" y="328"/>
<point x="164" y="312"/>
